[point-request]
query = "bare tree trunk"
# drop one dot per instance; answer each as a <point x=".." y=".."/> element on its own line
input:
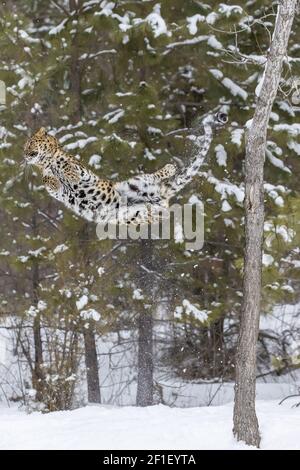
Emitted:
<point x="245" y="421"/>
<point x="90" y="348"/>
<point x="144" y="395"/>
<point x="91" y="363"/>
<point x="37" y="371"/>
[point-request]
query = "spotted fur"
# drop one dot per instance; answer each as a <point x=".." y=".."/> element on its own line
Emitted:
<point x="101" y="201"/>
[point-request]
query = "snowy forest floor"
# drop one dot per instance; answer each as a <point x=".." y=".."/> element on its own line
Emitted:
<point x="157" y="427"/>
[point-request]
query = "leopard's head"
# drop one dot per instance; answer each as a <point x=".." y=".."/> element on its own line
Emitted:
<point x="40" y="147"/>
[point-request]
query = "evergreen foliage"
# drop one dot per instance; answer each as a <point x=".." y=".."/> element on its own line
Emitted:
<point x="116" y="82"/>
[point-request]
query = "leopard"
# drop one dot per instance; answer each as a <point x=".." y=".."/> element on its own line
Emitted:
<point x="132" y="201"/>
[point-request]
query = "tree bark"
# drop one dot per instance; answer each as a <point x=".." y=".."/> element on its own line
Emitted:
<point x="245" y="420"/>
<point x="90" y="348"/>
<point x="145" y="390"/>
<point x="37" y="372"/>
<point x="91" y="363"/>
<point x="144" y="395"/>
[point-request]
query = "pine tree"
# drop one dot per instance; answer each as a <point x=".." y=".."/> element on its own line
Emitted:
<point x="115" y="82"/>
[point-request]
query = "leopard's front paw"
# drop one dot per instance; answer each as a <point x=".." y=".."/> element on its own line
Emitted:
<point x="51" y="183"/>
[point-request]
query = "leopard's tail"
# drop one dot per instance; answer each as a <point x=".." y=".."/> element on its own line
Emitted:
<point x="201" y="145"/>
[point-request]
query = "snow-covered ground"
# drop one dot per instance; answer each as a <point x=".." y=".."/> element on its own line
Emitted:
<point x="192" y="424"/>
<point x="158" y="427"/>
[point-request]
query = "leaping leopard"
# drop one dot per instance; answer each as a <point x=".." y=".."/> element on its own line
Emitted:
<point x="103" y="201"/>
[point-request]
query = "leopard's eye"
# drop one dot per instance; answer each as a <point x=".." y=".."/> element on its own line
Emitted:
<point x="33" y="154"/>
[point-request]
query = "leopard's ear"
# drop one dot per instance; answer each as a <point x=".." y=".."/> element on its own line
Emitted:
<point x="41" y="132"/>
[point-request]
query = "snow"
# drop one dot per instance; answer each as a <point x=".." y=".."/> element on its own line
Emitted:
<point x="191" y="309"/>
<point x="229" y="223"/>
<point x="154" y="130"/>
<point x="282" y="318"/>
<point x="113" y="116"/>
<point x="226" y="207"/>
<point x="195" y="200"/>
<point x="212" y="18"/>
<point x="23" y="259"/>
<point x="60" y="248"/>
<point x="234" y="89"/>
<point x="81" y="143"/>
<point x="225" y="188"/>
<point x="25" y="36"/>
<point x="295" y="98"/>
<point x="157" y="23"/>
<point x="38" y="252"/>
<point x="32" y="311"/>
<point x="92" y="56"/>
<point x="4" y="253"/>
<point x="82" y="302"/>
<point x="188" y="42"/>
<point x="121" y="94"/>
<point x="24" y="82"/>
<point x="279" y="201"/>
<point x="292" y="129"/>
<point x="95" y="160"/>
<point x="236" y="136"/>
<point x="228" y="10"/>
<point x="192" y="23"/>
<point x="272" y="192"/>
<point x="286" y="233"/>
<point x="284" y="106"/>
<point x="295" y="146"/>
<point x="42" y="305"/>
<point x="267" y="260"/>
<point x="66" y="292"/>
<point x="274" y="116"/>
<point x="288" y="288"/>
<point x="155" y="427"/>
<point x="148" y="154"/>
<point x="221" y="155"/>
<point x="284" y="322"/>
<point x="277" y="162"/>
<point x="101" y="271"/>
<point x="137" y="294"/>
<point x="64" y="138"/>
<point x="214" y="43"/>
<point x="57" y="29"/>
<point x="90" y="314"/>
<point x="216" y="73"/>
<point x="107" y="8"/>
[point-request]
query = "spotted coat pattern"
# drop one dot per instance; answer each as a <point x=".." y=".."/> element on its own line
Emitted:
<point x="100" y="200"/>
